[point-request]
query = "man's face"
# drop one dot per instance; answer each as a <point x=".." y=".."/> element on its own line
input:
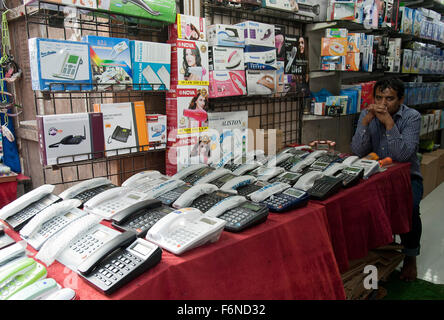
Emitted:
<point x="388" y="98"/>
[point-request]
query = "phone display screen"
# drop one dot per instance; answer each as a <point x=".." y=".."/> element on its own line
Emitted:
<point x="140" y="248"/>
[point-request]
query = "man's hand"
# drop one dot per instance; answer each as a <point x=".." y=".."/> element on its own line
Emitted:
<point x="383" y="115"/>
<point x="369" y="116"/>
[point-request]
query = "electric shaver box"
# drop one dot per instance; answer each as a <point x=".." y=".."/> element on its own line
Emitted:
<point x="226" y="58"/>
<point x="124" y="127"/>
<point x="59" y="65"/>
<point x="70" y="137"/>
<point x="151" y="65"/>
<point x="156" y="125"/>
<point x="259" y="34"/>
<point x="188" y="28"/>
<point x="189" y="62"/>
<point x="110" y="62"/>
<point x="227" y="83"/>
<point x="225" y="35"/>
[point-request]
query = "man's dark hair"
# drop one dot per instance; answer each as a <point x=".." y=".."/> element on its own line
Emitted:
<point x="393" y="83"/>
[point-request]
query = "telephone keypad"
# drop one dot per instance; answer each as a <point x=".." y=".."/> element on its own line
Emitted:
<point x="246" y="190"/>
<point x="169" y="197"/>
<point x="88" y="194"/>
<point x="206" y="201"/>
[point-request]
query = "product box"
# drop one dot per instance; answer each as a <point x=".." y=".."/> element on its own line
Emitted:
<point x="352" y="61"/>
<point x="416" y="58"/>
<point x="189" y="63"/>
<point x="418" y="19"/>
<point x="186" y="151"/>
<point x="279" y="40"/>
<point x="341" y="10"/>
<point x="225" y="35"/>
<point x="124" y="126"/>
<point x="188" y="27"/>
<point x="280" y="78"/>
<point x="319" y="108"/>
<point x="336" y="33"/>
<point x="284" y="5"/>
<point x="226" y="58"/>
<point x="367" y="94"/>
<point x="70" y="137"/>
<point x="186" y="108"/>
<point x="437" y="119"/>
<point x="439" y="153"/>
<point x="160" y="10"/>
<point x="406" y="20"/>
<point x="156" y="125"/>
<point x="59" y="65"/>
<point x="424" y="124"/>
<point x="406" y="61"/>
<point x="261" y="82"/>
<point x="259" y="58"/>
<point x="429" y="171"/>
<point x="110" y="61"/>
<point x="336" y="105"/>
<point x="151" y="65"/>
<point x="296" y="55"/>
<point x="332" y="63"/>
<point x="90" y="4"/>
<point x="227" y="83"/>
<point x="334" y="46"/>
<point x="431" y="126"/>
<point x="259" y="34"/>
<point x="354" y="42"/>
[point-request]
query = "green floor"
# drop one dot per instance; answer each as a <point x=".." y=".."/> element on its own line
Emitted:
<point x="416" y="290"/>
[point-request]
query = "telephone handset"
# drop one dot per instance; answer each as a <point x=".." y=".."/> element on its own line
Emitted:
<point x="268" y="191"/>
<point x="185" y="229"/>
<point x="301" y="165"/>
<point x="13" y="252"/>
<point x="113" y="201"/>
<point x="48" y="213"/>
<point x="164" y="187"/>
<point x="316" y="154"/>
<point x="307" y="180"/>
<point x="25" y="200"/>
<point x="224" y="205"/>
<point x="279" y="158"/>
<point x="36" y="291"/>
<point x="288" y="163"/>
<point x="187" y="198"/>
<point x="185" y="172"/>
<point x="350" y="160"/>
<point x="334" y="169"/>
<point x="169" y="197"/>
<point x="215" y="174"/>
<point x="146" y="185"/>
<point x="85" y="190"/>
<point x="267" y="173"/>
<point x="225" y="159"/>
<point x="245" y="168"/>
<point x="147" y="174"/>
<point x="14" y="269"/>
<point x="119" y="261"/>
<point x="238" y="182"/>
<point x="287" y="177"/>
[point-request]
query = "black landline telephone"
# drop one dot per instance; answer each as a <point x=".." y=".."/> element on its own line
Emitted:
<point x="70" y="139"/>
<point x="121" y="134"/>
<point x="119" y="261"/>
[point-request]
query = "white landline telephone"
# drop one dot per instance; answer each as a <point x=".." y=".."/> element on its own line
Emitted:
<point x="268" y="190"/>
<point x="238" y="182"/>
<point x="246" y="167"/>
<point x="25" y="200"/>
<point x="370" y="166"/>
<point x="219" y="172"/>
<point x="299" y="166"/>
<point x="316" y="154"/>
<point x="279" y="158"/>
<point x="84" y="186"/>
<point x="115" y="200"/>
<point x="225" y="159"/>
<point x="145" y="175"/>
<point x="54" y="210"/>
<point x="267" y="173"/>
<point x="164" y="188"/>
<point x="185" y="229"/>
<point x="350" y="160"/>
<point x="306" y="181"/>
<point x="187" y="198"/>
<point x="225" y="205"/>
<point x="334" y="169"/>
<point x="185" y="172"/>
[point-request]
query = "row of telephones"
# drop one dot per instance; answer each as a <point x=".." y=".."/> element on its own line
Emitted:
<point x="152" y="211"/>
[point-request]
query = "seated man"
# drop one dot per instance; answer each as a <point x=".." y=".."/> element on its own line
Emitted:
<point x="391" y="129"/>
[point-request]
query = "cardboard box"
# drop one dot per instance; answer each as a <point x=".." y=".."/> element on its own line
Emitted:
<point x="227" y="84"/>
<point x="437" y="119"/>
<point x="156" y="125"/>
<point x="333" y="63"/>
<point x="226" y="58"/>
<point x="225" y="35"/>
<point x="440" y="154"/>
<point x="124" y="126"/>
<point x="188" y="27"/>
<point x="279" y="36"/>
<point x="59" y="65"/>
<point x="259" y="34"/>
<point x="151" y="65"/>
<point x="431" y="126"/>
<point x="336" y="33"/>
<point x="334" y="46"/>
<point x="260" y="58"/>
<point x="269" y="140"/>
<point x="352" y="61"/>
<point x="261" y="82"/>
<point x="429" y="171"/>
<point x="284" y="5"/>
<point x="184" y="152"/>
<point x="110" y="61"/>
<point x="70" y="137"/>
<point x="424" y="124"/>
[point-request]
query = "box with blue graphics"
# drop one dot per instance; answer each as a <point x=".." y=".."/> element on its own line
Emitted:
<point x="151" y="65"/>
<point x="59" y="65"/>
<point x="260" y="58"/>
<point x="110" y="61"/>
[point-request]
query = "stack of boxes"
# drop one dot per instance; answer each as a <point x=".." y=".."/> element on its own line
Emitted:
<point x="187" y="99"/>
<point x="334" y="49"/>
<point x="226" y="61"/>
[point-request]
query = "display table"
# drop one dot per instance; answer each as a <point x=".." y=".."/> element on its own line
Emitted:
<point x="288" y="257"/>
<point x="367" y="215"/>
<point x="8" y="189"/>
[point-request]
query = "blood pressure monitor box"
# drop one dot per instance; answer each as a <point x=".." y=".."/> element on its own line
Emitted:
<point x="259" y="34"/>
<point x="226" y="58"/>
<point x="189" y="63"/>
<point x="188" y="27"/>
<point x="110" y="61"/>
<point x="124" y="126"/>
<point x="59" y="65"/>
<point x="227" y="83"/>
<point x="156" y="125"/>
<point x="151" y="65"/>
<point x="70" y="137"/>
<point x="225" y="35"/>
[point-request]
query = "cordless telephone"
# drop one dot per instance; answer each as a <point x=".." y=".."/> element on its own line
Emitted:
<point x="324" y="187"/>
<point x="350" y="176"/>
<point x="288" y="177"/>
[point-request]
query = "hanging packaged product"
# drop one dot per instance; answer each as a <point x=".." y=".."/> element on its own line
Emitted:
<point x="260" y="58"/>
<point x="227" y="83"/>
<point x="189" y="63"/>
<point x="151" y="65"/>
<point x="261" y="82"/>
<point x="188" y="28"/>
<point x="284" y="5"/>
<point x="156" y="125"/>
<point x="110" y="62"/>
<point x="70" y="137"/>
<point x="259" y="34"/>
<point x="91" y="4"/>
<point x="279" y="36"/>
<point x="226" y="58"/>
<point x="225" y="35"/>
<point x="59" y="65"/>
<point x="334" y="46"/>
<point x="186" y="108"/>
<point x="333" y="63"/>
<point x="124" y="126"/>
<point x="352" y="61"/>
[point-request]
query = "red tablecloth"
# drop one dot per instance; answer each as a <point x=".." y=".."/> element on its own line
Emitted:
<point x="8" y="192"/>
<point x="287" y="257"/>
<point x="367" y="215"/>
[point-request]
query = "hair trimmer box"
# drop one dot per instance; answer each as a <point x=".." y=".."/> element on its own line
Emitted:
<point x="188" y="27"/>
<point x="59" y="65"/>
<point x="70" y="137"/>
<point x="124" y="127"/>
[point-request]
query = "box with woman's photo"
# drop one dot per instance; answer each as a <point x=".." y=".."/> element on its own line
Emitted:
<point x="296" y="64"/>
<point x="189" y="63"/>
<point x="188" y="28"/>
